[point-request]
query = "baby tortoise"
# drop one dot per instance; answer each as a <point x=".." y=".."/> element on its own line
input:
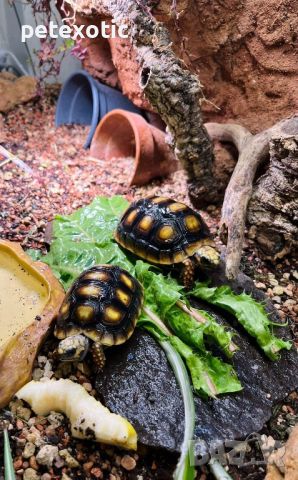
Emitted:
<point x="102" y="305"/>
<point x="164" y="231"/>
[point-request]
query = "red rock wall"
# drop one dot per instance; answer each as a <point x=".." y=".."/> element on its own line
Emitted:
<point x="245" y="53"/>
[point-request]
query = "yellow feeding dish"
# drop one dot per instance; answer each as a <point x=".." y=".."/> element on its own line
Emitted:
<point x="30" y="297"/>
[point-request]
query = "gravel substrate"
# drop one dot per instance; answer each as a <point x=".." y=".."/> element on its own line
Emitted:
<point x="65" y="178"/>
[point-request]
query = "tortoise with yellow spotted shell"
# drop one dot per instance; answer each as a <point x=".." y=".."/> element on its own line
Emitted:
<point x="103" y="306"/>
<point x="164" y="231"/>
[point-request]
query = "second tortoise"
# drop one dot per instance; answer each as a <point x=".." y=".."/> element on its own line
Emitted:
<point x="166" y="232"/>
<point x="101" y="308"/>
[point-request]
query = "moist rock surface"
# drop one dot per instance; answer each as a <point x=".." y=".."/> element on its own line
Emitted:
<point x="138" y="383"/>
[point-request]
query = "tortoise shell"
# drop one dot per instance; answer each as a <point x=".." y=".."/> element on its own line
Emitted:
<point x="103" y="303"/>
<point x="162" y="230"/>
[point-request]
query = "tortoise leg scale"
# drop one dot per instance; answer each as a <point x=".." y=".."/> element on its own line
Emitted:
<point x="188" y="273"/>
<point x="98" y="355"/>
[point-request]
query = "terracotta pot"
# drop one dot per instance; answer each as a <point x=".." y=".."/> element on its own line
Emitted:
<point x="124" y="134"/>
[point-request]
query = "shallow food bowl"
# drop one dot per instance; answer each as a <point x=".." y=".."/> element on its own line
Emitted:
<point x="30" y="297"/>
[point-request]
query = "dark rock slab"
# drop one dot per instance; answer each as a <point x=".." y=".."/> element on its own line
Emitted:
<point x="139" y="384"/>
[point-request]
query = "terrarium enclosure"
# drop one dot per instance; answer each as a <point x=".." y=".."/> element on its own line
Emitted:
<point x="148" y="239"/>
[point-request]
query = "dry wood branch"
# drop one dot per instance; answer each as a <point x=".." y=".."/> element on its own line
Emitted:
<point x="253" y="150"/>
<point x="171" y="89"/>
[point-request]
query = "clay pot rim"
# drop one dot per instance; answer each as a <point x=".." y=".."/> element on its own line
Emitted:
<point x="129" y="117"/>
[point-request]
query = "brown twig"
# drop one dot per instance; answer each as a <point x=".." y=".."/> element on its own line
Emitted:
<point x="253" y="150"/>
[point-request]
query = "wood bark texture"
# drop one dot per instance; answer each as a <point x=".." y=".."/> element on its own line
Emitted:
<point x="273" y="209"/>
<point x="171" y="89"/>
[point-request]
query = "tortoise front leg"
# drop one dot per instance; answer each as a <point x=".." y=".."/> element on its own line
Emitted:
<point x="188" y="273"/>
<point x="98" y="355"/>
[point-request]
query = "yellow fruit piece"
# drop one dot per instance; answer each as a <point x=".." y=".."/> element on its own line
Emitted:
<point x="88" y="417"/>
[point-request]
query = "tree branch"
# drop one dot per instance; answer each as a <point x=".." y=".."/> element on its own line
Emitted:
<point x="171" y="89"/>
<point x="253" y="150"/>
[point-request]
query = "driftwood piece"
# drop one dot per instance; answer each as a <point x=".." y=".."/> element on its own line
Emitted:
<point x="253" y="151"/>
<point x="273" y="209"/>
<point x="172" y="90"/>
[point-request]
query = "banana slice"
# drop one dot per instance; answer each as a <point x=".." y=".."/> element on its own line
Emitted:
<point x="89" y="419"/>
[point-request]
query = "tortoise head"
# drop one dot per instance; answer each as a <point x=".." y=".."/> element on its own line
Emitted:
<point x="73" y="349"/>
<point x="207" y="256"/>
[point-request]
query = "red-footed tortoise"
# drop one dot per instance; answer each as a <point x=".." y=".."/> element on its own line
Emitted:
<point x="166" y="232"/>
<point x="103" y="306"/>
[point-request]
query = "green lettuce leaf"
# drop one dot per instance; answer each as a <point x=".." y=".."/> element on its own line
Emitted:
<point x="162" y="294"/>
<point x="249" y="313"/>
<point x="94" y="223"/>
<point x="210" y="375"/>
<point x="85" y="238"/>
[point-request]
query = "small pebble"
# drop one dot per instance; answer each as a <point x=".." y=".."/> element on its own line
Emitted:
<point x="59" y="462"/>
<point x="46" y="455"/>
<point x="128" y="462"/>
<point x="55" y="419"/>
<point x="69" y="459"/>
<point x="46" y="476"/>
<point x="19" y="424"/>
<point x="87" y="466"/>
<point x="87" y="386"/>
<point x="18" y="463"/>
<point x="276" y="299"/>
<point x="65" y="476"/>
<point x="37" y="374"/>
<point x="30" y="474"/>
<point x="24" y="413"/>
<point x="278" y="290"/>
<point x="33" y="463"/>
<point x="42" y="360"/>
<point x="29" y="450"/>
<point x="97" y="472"/>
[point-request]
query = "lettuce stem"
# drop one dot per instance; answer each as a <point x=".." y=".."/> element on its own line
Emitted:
<point x="8" y="463"/>
<point x="218" y="470"/>
<point x="184" y="470"/>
